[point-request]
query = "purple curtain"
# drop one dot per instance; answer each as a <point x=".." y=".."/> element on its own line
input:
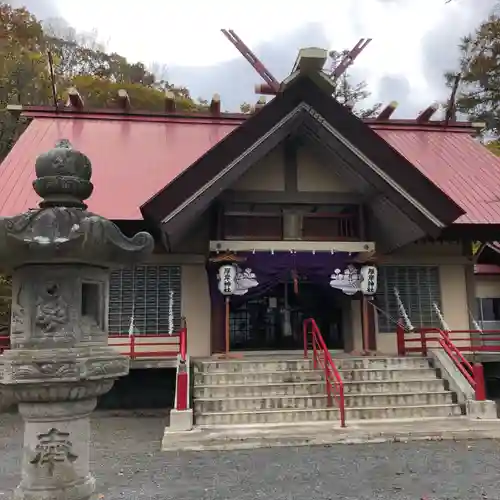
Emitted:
<point x="266" y="270"/>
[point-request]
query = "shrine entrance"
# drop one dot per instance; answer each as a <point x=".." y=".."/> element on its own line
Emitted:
<point x="270" y="294"/>
<point x="273" y="321"/>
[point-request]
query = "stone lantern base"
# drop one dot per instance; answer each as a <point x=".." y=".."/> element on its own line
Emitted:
<point x="56" y="393"/>
<point x="56" y="451"/>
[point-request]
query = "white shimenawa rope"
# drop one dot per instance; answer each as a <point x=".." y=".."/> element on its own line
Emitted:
<point x="402" y="311"/>
<point x="475" y="323"/>
<point x="439" y="314"/>
<point x="131" y="326"/>
<point x="170" y="312"/>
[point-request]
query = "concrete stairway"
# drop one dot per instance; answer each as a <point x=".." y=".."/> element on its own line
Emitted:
<point x="263" y="390"/>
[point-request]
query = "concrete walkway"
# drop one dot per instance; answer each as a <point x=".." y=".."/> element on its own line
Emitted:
<point x="268" y="436"/>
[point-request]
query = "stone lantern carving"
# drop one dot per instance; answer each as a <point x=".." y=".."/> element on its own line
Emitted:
<point x="59" y="363"/>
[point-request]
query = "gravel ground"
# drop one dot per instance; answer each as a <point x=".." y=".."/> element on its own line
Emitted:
<point x="129" y="465"/>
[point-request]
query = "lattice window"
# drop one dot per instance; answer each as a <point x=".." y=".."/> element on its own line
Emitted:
<point x="418" y="288"/>
<point x="148" y="298"/>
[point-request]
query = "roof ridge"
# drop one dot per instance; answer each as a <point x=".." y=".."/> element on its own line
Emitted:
<point x="223" y="117"/>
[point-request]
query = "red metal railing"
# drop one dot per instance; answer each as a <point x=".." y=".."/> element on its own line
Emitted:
<point x="151" y="346"/>
<point x="471" y="341"/>
<point x="323" y="358"/>
<point x="140" y="346"/>
<point x="478" y="341"/>
<point x="472" y="372"/>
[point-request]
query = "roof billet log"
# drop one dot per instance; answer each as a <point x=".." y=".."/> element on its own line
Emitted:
<point x="75" y="100"/>
<point x="425" y="115"/>
<point x="169" y="101"/>
<point x="123" y="99"/>
<point x="215" y="105"/>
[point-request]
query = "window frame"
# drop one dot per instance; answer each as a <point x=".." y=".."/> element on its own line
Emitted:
<point x="481" y="309"/>
<point x="418" y="306"/>
<point x="155" y="282"/>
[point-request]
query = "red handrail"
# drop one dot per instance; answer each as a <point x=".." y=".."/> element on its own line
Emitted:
<point x="183" y="342"/>
<point x="472" y="372"/>
<point x="129" y="341"/>
<point x="322" y="356"/>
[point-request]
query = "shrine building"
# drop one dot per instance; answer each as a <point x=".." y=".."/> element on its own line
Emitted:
<point x="304" y="209"/>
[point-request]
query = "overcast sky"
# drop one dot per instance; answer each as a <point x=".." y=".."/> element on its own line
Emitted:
<point x="414" y="41"/>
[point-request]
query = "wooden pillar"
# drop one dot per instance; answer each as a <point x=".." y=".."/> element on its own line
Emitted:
<point x="217" y="326"/>
<point x="368" y="325"/>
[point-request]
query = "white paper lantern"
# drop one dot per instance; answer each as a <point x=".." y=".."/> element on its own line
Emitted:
<point x="369" y="275"/>
<point x="227" y="279"/>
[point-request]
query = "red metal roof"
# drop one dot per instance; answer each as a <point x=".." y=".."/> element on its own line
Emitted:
<point x="461" y="167"/>
<point x="486" y="269"/>
<point x="131" y="160"/>
<point x="134" y="157"/>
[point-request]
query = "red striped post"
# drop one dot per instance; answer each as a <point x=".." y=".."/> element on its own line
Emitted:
<point x="132" y="346"/>
<point x="479" y="383"/>
<point x="183" y="343"/>
<point x="182" y="388"/>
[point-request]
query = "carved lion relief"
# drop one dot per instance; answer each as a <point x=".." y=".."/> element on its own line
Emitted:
<point x="52" y="313"/>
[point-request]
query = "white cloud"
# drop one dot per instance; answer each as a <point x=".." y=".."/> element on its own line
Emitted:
<point x="413" y="41"/>
<point x="188" y="33"/>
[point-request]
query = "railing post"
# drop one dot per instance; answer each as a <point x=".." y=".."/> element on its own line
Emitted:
<point x="183" y="343"/>
<point x="315" y="351"/>
<point x="182" y="387"/>
<point x="327" y="380"/>
<point x="132" y="346"/>
<point x="479" y="383"/>
<point x="342" y="405"/>
<point x="400" y="338"/>
<point x="304" y="331"/>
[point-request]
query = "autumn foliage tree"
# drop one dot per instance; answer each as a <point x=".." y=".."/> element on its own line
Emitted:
<point x="22" y="68"/>
<point x="99" y="75"/>
<point x="80" y="61"/>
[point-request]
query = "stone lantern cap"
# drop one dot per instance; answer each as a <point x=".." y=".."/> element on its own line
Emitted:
<point x="61" y="229"/>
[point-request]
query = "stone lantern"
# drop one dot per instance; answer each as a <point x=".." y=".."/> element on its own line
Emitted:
<point x="59" y="256"/>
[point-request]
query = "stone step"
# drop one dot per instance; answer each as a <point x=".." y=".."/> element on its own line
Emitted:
<point x="257" y="389"/>
<point x="394" y="374"/>
<point x="253" y="365"/>
<point x="208" y="405"/>
<point x="315" y="387"/>
<point x="221" y="378"/>
<point x="378" y="363"/>
<point x="274" y="365"/>
<point x="280" y="377"/>
<point x="324" y="414"/>
<point x="394" y="386"/>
